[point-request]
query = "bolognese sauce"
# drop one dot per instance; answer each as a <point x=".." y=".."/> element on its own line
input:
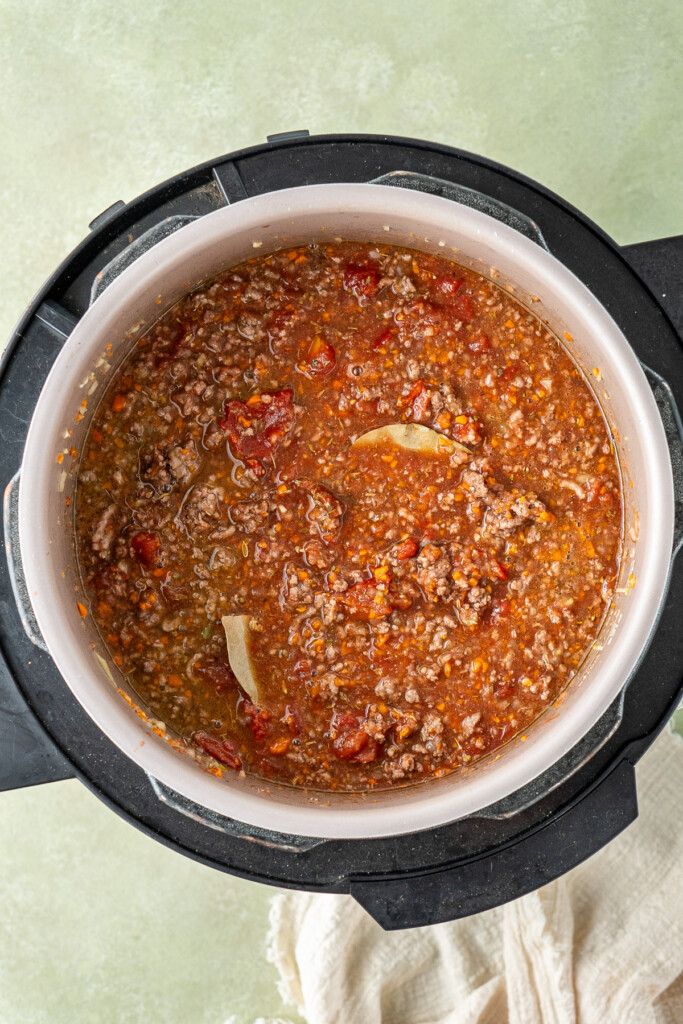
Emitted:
<point x="349" y="516"/>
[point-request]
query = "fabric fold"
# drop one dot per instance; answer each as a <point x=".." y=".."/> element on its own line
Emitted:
<point x="602" y="944"/>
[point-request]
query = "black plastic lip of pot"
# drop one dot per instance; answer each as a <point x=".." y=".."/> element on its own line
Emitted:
<point x="455" y="870"/>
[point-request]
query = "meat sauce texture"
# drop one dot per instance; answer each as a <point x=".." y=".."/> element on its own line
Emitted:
<point x="407" y="613"/>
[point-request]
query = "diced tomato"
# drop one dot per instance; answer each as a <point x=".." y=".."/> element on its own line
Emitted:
<point x="593" y="489"/>
<point x="369" y="752"/>
<point x="383" y="340"/>
<point x="258" y="718"/>
<point x="502" y="690"/>
<point x="367" y="599"/>
<point x="446" y="293"/>
<point x="224" y="751"/>
<point x="292" y="719"/>
<point x="500" y="610"/>
<point x="405" y="549"/>
<point x="282" y="319"/>
<point x="498" y="570"/>
<point x="349" y="745"/>
<point x="418" y="401"/>
<point x="510" y="371"/>
<point x="216" y="672"/>
<point x="256" y="427"/>
<point x="361" y="278"/>
<point x="446" y="285"/>
<point x="318" y="359"/>
<point x="464" y="307"/>
<point x="597" y="491"/>
<point x="479" y="343"/>
<point x="416" y="389"/>
<point x="145" y="548"/>
<point x="350" y="741"/>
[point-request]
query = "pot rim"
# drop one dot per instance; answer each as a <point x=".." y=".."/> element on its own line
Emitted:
<point x="416" y="807"/>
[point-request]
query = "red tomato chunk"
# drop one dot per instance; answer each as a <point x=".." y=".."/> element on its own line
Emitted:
<point x="319" y="358"/>
<point x="361" y="278"/>
<point x="145" y="547"/>
<point x="223" y="750"/>
<point x="350" y="741"/>
<point x="257" y="426"/>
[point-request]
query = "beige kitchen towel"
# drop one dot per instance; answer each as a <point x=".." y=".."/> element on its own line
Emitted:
<point x="603" y="945"/>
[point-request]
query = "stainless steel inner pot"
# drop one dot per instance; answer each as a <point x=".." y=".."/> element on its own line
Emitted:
<point x="153" y="282"/>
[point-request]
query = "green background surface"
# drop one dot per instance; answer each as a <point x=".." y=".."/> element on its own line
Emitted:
<point x="101" y="101"/>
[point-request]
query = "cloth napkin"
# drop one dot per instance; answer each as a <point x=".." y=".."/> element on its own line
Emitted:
<point x="602" y="944"/>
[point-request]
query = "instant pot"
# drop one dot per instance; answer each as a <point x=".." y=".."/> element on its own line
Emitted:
<point x="444" y="848"/>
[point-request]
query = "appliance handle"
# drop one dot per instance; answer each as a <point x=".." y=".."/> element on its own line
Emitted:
<point x="660" y="264"/>
<point x="467" y="197"/>
<point x="536" y="859"/>
<point x="27" y="755"/>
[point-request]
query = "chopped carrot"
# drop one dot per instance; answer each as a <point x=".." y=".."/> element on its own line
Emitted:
<point x="280" y="746"/>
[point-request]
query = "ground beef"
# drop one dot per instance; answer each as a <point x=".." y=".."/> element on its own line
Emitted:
<point x="250" y="516"/>
<point x="325" y="511"/>
<point x="435" y="573"/>
<point x="508" y="512"/>
<point x="476" y="485"/>
<point x="317" y="555"/>
<point x="166" y="464"/>
<point x="297" y="587"/>
<point x="105" y="531"/>
<point x="202" y="509"/>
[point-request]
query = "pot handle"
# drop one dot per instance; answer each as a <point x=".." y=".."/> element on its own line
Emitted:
<point x="453" y="892"/>
<point x="10" y="511"/>
<point x="27" y="756"/>
<point x="673" y="428"/>
<point x="467" y="197"/>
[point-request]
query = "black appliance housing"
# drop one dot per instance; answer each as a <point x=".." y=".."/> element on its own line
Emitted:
<point x="421" y="878"/>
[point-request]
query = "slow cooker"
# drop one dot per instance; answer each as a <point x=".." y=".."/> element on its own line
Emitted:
<point x="447" y="847"/>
